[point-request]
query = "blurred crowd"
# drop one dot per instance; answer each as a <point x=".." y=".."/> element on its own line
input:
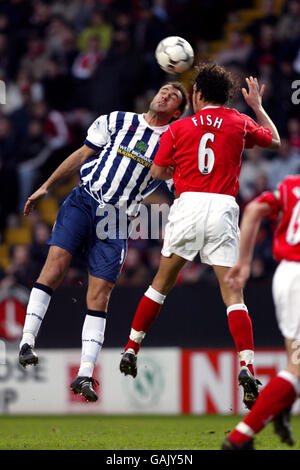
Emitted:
<point x="65" y="62"/>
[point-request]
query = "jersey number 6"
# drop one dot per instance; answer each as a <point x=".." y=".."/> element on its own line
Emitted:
<point x="206" y="156"/>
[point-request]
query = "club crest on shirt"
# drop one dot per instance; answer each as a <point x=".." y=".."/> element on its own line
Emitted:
<point x="141" y="146"/>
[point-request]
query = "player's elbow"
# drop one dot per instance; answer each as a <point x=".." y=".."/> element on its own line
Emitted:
<point x="275" y="144"/>
<point x="254" y="211"/>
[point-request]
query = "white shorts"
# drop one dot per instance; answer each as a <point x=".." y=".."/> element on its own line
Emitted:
<point x="203" y="223"/>
<point x="286" y="294"/>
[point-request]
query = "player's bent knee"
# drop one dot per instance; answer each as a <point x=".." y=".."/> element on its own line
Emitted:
<point x="52" y="276"/>
<point x="98" y="295"/>
<point x="54" y="271"/>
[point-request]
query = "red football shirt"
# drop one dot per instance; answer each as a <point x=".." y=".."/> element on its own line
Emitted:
<point x="286" y="240"/>
<point x="206" y="149"/>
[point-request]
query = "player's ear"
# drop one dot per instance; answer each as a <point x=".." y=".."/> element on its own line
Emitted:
<point x="199" y="95"/>
<point x="177" y="114"/>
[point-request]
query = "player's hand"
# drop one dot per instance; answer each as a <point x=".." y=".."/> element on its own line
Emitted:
<point x="33" y="199"/>
<point x="253" y="96"/>
<point x="169" y="171"/>
<point x="237" y="276"/>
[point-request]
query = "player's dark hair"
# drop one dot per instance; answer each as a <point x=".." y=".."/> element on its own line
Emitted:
<point x="185" y="97"/>
<point x="216" y="84"/>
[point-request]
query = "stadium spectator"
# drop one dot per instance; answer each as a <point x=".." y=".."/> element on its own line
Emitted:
<point x="21" y="269"/>
<point x="86" y="62"/>
<point x="237" y="50"/>
<point x="40" y="18"/>
<point x="21" y="91"/>
<point x="263" y="49"/>
<point x="288" y="27"/>
<point x="253" y="166"/>
<point x="35" y="153"/>
<point x="57" y="134"/>
<point x="7" y="64"/>
<point x="55" y="33"/>
<point x="55" y="84"/>
<point x="9" y="150"/>
<point x="269" y="17"/>
<point x="38" y="248"/>
<point x="118" y="74"/>
<point x="35" y="59"/>
<point x="150" y="29"/>
<point x="98" y="28"/>
<point x="293" y="128"/>
<point x="286" y="162"/>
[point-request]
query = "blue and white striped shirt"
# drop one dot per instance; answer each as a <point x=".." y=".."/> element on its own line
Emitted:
<point x="120" y="171"/>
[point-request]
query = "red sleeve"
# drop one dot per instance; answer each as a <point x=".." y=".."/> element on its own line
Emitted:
<point x="274" y="203"/>
<point x="257" y="135"/>
<point x="166" y="149"/>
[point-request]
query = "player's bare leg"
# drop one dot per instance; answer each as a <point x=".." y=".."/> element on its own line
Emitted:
<point x="52" y="274"/>
<point x="98" y="295"/>
<point x="240" y="327"/>
<point x="275" y="400"/>
<point x="149" y="308"/>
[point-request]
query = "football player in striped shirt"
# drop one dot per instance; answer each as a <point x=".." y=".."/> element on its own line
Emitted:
<point x="114" y="164"/>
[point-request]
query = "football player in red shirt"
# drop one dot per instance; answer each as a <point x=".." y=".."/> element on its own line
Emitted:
<point x="277" y="397"/>
<point x="203" y="154"/>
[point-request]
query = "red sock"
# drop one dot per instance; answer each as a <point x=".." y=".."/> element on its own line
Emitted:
<point x="240" y="326"/>
<point x="238" y="437"/>
<point x="278" y="395"/>
<point x="133" y="345"/>
<point x="144" y="316"/>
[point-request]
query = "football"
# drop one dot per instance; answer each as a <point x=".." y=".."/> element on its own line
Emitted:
<point x="174" y="54"/>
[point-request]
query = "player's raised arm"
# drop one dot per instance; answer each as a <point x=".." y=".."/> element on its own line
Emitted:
<point x="238" y="275"/>
<point x="67" y="168"/>
<point x="253" y="98"/>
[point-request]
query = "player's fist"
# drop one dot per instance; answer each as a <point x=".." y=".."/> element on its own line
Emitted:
<point x="237" y="276"/>
<point x="33" y="199"/>
<point x="170" y="171"/>
<point x="253" y="96"/>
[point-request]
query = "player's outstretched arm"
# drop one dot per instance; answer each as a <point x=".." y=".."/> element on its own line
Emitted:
<point x="253" y="98"/>
<point x="67" y="168"/>
<point x="238" y="275"/>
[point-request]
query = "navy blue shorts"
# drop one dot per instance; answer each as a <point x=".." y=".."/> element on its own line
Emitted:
<point x="75" y="230"/>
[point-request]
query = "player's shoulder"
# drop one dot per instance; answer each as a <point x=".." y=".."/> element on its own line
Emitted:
<point x="290" y="182"/>
<point x="121" y="115"/>
<point x="182" y="123"/>
<point x="117" y="119"/>
<point x="292" y="179"/>
<point x="235" y="114"/>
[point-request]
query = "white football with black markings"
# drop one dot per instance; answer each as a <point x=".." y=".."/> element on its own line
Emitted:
<point x="174" y="54"/>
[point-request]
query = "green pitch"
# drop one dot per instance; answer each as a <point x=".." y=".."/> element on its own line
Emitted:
<point x="127" y="432"/>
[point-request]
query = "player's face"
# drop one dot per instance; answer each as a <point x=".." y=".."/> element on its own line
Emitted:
<point x="167" y="100"/>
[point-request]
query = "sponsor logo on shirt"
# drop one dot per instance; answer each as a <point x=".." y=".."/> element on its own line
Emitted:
<point x="137" y="153"/>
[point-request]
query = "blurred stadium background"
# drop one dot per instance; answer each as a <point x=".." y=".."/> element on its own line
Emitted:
<point x="65" y="62"/>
